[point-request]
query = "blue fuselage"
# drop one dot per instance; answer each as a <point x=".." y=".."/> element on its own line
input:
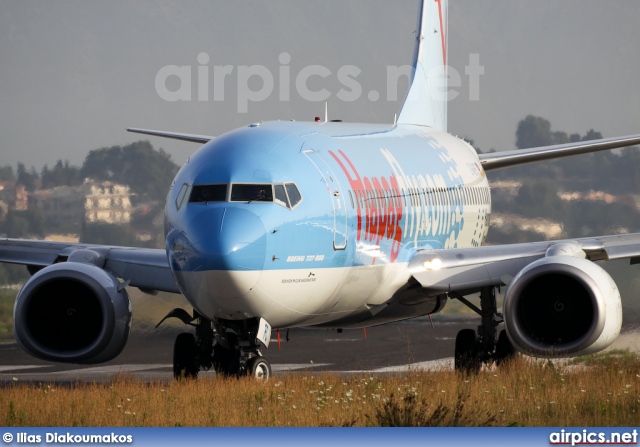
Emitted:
<point x="314" y="223"/>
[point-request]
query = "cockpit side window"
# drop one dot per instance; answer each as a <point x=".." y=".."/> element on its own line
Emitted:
<point x="208" y="193"/>
<point x="181" y="195"/>
<point x="294" y="194"/>
<point x="251" y="193"/>
<point x="281" y="196"/>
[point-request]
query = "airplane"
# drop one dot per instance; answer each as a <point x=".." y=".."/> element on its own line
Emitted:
<point x="322" y="224"/>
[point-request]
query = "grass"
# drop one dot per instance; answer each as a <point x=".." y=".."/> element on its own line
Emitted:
<point x="522" y="393"/>
<point x="7" y="298"/>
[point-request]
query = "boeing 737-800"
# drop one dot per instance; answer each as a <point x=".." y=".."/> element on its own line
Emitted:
<point x="329" y="224"/>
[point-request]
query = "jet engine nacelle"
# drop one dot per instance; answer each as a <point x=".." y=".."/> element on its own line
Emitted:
<point x="562" y="306"/>
<point x="72" y="313"/>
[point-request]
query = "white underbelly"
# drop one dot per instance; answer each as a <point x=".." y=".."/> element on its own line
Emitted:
<point x="287" y="298"/>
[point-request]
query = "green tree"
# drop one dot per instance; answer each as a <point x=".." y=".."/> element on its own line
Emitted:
<point x="30" y="180"/>
<point x="61" y="174"/>
<point x="534" y="131"/>
<point x="7" y="174"/>
<point x="539" y="198"/>
<point x="29" y="223"/>
<point x="147" y="171"/>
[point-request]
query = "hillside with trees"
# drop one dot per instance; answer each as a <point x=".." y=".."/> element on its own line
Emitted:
<point x="56" y="201"/>
<point x="587" y="195"/>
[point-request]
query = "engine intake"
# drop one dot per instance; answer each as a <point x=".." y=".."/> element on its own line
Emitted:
<point x="72" y="313"/>
<point x="562" y="306"/>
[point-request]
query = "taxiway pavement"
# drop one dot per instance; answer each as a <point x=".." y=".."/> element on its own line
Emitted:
<point x="148" y="355"/>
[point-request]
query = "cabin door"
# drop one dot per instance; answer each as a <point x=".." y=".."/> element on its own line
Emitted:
<point x="337" y="198"/>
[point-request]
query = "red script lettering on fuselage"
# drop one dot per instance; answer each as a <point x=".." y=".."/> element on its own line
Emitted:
<point x="378" y="205"/>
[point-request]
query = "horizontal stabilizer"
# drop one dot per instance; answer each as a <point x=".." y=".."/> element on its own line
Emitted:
<point x="174" y="135"/>
<point x="497" y="160"/>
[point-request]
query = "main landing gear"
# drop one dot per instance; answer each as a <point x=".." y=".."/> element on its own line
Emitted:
<point x="229" y="347"/>
<point x="473" y="349"/>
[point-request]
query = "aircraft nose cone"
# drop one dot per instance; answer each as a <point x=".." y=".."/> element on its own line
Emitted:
<point x="218" y="258"/>
<point x="230" y="239"/>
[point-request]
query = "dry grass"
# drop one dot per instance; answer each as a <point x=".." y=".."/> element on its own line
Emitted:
<point x="7" y="297"/>
<point x="523" y="393"/>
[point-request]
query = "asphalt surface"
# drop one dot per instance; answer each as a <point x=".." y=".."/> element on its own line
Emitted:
<point x="148" y="356"/>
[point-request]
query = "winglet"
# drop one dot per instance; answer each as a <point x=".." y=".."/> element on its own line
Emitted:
<point x="174" y="135"/>
<point x="426" y="101"/>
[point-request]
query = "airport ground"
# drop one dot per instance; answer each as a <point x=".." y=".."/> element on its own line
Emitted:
<point x="392" y="347"/>
<point x="148" y="354"/>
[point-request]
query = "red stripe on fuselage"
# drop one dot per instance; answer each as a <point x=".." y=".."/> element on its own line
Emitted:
<point x="382" y="214"/>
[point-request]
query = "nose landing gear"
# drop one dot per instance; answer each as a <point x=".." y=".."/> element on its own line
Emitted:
<point x="229" y="347"/>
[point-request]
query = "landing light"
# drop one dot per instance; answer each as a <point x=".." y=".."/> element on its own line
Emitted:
<point x="432" y="264"/>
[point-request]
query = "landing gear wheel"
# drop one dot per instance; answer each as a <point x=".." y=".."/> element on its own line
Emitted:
<point x="504" y="349"/>
<point x="259" y="367"/>
<point x="185" y="363"/>
<point x="466" y="353"/>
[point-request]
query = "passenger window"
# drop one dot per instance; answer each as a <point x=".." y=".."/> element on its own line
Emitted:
<point x="293" y="193"/>
<point x="208" y="193"/>
<point x="281" y="196"/>
<point x="181" y="195"/>
<point x="251" y="193"/>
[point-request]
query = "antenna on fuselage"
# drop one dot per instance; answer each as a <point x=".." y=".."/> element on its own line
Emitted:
<point x="326" y="112"/>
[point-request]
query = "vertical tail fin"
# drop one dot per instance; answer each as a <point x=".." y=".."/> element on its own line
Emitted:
<point x="426" y="101"/>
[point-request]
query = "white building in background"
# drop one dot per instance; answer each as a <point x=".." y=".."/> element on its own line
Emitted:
<point x="107" y="202"/>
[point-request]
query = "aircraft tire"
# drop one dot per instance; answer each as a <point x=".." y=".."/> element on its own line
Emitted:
<point x="185" y="364"/>
<point x="259" y="368"/>
<point x="466" y="352"/>
<point x="504" y="348"/>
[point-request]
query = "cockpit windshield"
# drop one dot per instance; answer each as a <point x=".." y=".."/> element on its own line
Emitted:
<point x="208" y="193"/>
<point x="286" y="195"/>
<point x="251" y="193"/>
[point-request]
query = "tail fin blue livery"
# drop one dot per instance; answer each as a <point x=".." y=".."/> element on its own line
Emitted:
<point x="426" y="101"/>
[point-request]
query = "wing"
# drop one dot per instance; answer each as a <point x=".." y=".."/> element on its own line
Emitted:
<point x="173" y="135"/>
<point x="147" y="269"/>
<point x="497" y="160"/>
<point x="558" y="302"/>
<point x="469" y="269"/>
